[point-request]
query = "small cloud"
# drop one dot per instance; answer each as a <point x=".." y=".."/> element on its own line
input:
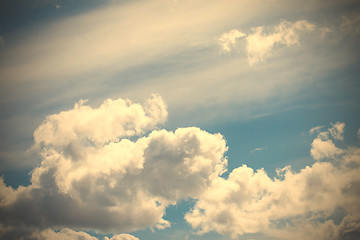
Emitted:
<point x="337" y="130"/>
<point x="228" y="40"/>
<point x="261" y="42"/>
<point x="315" y="129"/>
<point x="257" y="150"/>
<point x="323" y="147"/>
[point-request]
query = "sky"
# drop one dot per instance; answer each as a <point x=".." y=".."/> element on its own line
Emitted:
<point x="179" y="119"/>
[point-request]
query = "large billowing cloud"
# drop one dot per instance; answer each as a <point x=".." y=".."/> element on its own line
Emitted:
<point x="111" y="169"/>
<point x="318" y="202"/>
<point x="92" y="176"/>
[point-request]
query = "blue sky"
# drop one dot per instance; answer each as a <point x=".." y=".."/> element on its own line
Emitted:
<point x="172" y="119"/>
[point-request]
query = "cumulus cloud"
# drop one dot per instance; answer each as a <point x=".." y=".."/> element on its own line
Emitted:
<point x="262" y="40"/>
<point x="323" y="147"/>
<point x="123" y="180"/>
<point x="114" y="119"/>
<point x="337" y="130"/>
<point x="297" y="205"/>
<point x="92" y="175"/>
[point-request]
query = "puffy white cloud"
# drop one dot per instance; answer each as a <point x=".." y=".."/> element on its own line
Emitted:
<point x="93" y="176"/>
<point x="287" y="207"/>
<point x="112" y="120"/>
<point x="323" y="147"/>
<point x="227" y="40"/>
<point x="261" y="41"/>
<point x="337" y="131"/>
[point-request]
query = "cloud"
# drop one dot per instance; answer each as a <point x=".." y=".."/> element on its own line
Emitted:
<point x="288" y="207"/>
<point x="122" y="237"/>
<point x="337" y="131"/>
<point x="256" y="150"/>
<point x="315" y="129"/>
<point x="100" y="170"/>
<point x="63" y="234"/>
<point x="69" y="234"/>
<point x="114" y="119"/>
<point x="227" y="40"/>
<point x="323" y="147"/>
<point x="260" y="43"/>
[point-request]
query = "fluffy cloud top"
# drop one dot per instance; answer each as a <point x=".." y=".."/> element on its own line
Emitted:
<point x="114" y="119"/>
<point x="323" y="147"/>
<point x="93" y="176"/>
<point x="249" y="201"/>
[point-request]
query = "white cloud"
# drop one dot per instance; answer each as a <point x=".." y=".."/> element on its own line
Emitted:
<point x="228" y="40"/>
<point x="256" y="150"/>
<point x="112" y="120"/>
<point x="289" y="207"/>
<point x="315" y="129"/>
<point x="323" y="147"/>
<point x="337" y="130"/>
<point x="262" y="41"/>
<point x="93" y="176"/>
